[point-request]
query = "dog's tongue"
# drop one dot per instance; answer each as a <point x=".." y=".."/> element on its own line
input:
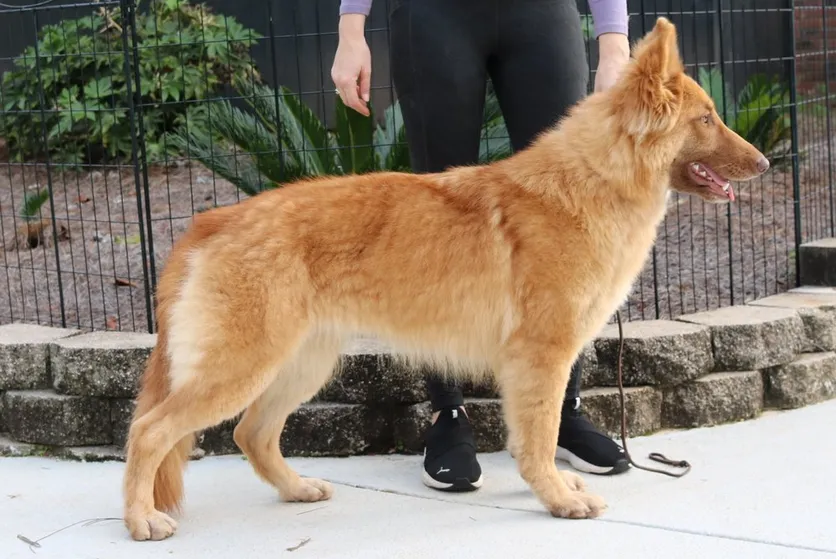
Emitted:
<point x="717" y="178"/>
<point x="720" y="181"/>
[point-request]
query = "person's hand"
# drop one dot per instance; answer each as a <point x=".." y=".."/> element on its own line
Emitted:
<point x="352" y="69"/>
<point x="614" y="53"/>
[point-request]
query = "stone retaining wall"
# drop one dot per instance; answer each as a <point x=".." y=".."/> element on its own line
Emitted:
<point x="70" y="393"/>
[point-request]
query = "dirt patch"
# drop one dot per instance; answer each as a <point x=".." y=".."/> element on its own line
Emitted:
<point x="103" y="267"/>
<point x="706" y="256"/>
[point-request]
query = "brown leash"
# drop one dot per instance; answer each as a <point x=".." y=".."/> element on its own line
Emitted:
<point x="655" y="456"/>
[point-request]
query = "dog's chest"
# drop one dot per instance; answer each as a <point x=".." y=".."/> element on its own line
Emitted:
<point x="629" y="249"/>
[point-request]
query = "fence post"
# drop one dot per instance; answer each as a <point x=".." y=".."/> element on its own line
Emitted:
<point x="722" y="64"/>
<point x="794" y="147"/>
<point x="824" y="10"/>
<point x="138" y="158"/>
<point x="50" y="190"/>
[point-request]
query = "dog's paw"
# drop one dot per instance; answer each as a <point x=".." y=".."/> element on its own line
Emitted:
<point x="577" y="505"/>
<point x="150" y="526"/>
<point x="309" y="490"/>
<point x="573" y="480"/>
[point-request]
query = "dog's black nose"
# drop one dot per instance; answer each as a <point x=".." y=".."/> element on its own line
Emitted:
<point x="763" y="164"/>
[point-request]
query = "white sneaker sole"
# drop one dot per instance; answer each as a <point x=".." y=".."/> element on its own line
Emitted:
<point x="462" y="485"/>
<point x="582" y="465"/>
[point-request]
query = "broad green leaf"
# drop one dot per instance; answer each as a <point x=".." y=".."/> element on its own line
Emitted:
<point x="304" y="134"/>
<point x="98" y="89"/>
<point x="32" y="203"/>
<point x="354" y="140"/>
<point x="390" y="141"/>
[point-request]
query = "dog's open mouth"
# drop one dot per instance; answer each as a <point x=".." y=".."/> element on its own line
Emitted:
<point x="705" y="176"/>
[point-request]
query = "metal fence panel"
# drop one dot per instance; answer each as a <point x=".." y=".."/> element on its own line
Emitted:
<point x="155" y="111"/>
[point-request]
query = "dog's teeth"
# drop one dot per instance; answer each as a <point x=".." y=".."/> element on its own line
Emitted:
<point x="726" y="187"/>
<point x="703" y="173"/>
<point x="695" y="167"/>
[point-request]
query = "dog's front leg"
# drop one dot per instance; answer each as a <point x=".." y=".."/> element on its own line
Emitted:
<point x="534" y="379"/>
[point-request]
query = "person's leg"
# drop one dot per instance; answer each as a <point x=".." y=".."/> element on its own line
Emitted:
<point x="438" y="58"/>
<point x="539" y="71"/>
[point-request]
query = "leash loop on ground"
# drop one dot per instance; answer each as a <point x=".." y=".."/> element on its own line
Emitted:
<point x="655" y="456"/>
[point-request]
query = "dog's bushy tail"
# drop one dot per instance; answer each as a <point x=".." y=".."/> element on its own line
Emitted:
<point x="155" y="385"/>
<point x="168" y="482"/>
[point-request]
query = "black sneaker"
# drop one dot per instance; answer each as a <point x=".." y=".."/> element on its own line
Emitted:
<point x="450" y="455"/>
<point x="586" y="448"/>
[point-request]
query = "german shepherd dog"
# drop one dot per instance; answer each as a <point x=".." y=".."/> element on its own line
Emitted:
<point x="510" y="268"/>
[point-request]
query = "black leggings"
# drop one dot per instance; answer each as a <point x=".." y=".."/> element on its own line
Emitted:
<point x="443" y="51"/>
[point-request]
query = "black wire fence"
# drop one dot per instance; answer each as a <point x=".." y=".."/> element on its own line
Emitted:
<point x="121" y="119"/>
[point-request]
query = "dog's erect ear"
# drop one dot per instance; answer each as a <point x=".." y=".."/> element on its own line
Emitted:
<point x="657" y="54"/>
<point x="654" y="82"/>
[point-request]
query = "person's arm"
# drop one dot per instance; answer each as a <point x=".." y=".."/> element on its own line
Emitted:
<point x="352" y="69"/>
<point x="609" y="18"/>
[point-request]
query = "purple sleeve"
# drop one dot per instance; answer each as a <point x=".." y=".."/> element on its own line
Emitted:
<point x="608" y="16"/>
<point x="355" y="7"/>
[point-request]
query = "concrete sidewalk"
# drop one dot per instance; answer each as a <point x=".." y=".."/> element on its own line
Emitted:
<point x="760" y="489"/>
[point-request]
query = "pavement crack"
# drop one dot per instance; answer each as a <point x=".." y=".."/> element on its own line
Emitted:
<point x="716" y="535"/>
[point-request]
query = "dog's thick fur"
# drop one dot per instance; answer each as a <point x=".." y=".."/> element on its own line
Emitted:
<point x="510" y="267"/>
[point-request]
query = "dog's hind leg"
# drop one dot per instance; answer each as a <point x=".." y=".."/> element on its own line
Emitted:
<point x="222" y="381"/>
<point x="533" y="378"/>
<point x="259" y="431"/>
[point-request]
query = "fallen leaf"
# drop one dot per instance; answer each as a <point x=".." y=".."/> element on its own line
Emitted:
<point x="83" y="199"/>
<point x="300" y="544"/>
<point x="130" y="240"/>
<point x="111" y="323"/>
<point x="123" y="283"/>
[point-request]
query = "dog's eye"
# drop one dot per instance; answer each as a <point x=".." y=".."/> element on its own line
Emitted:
<point x="706" y="119"/>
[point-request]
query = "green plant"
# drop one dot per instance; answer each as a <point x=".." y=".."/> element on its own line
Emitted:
<point x="71" y="88"/>
<point x="32" y="204"/>
<point x="281" y="140"/>
<point x="759" y="113"/>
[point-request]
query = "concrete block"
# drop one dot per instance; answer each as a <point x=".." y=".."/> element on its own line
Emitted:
<point x="600" y="405"/>
<point x="45" y="418"/>
<point x="643" y="406"/>
<point x="489" y="432"/>
<point x="11" y="448"/>
<point x="24" y="355"/>
<point x="94" y="453"/>
<point x="714" y="399"/>
<point x="817" y="308"/>
<point x="121" y="413"/>
<point x="817" y="260"/>
<point x="809" y="379"/>
<point x="105" y="364"/>
<point x="747" y="338"/>
<point x="656" y="352"/>
<point x="369" y="373"/>
<point x="315" y="429"/>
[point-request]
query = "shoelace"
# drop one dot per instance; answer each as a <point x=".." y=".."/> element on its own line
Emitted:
<point x="655" y="456"/>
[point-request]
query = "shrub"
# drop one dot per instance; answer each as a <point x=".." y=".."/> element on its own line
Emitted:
<point x="281" y="140"/>
<point x="185" y="53"/>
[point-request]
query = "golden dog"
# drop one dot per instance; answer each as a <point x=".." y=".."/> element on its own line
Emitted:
<point x="509" y="267"/>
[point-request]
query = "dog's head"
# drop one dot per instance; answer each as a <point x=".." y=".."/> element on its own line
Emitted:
<point x="659" y="102"/>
